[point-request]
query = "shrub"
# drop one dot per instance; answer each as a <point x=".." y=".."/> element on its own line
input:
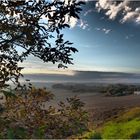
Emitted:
<point x="27" y="116"/>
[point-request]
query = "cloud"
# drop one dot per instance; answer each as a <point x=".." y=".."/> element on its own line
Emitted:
<point x="131" y="16"/>
<point x="126" y="37"/>
<point x="129" y="36"/>
<point x="88" y="12"/>
<point x="129" y="10"/>
<point x="30" y="67"/>
<point x="83" y="24"/>
<point x="106" y="31"/>
<point x="71" y="21"/>
<point x="46" y="71"/>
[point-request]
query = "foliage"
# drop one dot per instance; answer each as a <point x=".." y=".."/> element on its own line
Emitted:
<point x="29" y="115"/>
<point x="120" y="89"/>
<point x="31" y="26"/>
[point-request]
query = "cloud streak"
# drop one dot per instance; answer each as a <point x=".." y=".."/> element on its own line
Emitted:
<point x="83" y="24"/>
<point x="89" y="11"/>
<point x="106" y="31"/>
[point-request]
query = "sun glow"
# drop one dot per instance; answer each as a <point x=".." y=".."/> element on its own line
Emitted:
<point x="46" y="71"/>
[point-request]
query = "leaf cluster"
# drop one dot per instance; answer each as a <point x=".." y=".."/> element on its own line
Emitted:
<point x="34" y="28"/>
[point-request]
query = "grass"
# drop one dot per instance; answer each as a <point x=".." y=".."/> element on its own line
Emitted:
<point x="126" y="126"/>
<point x="122" y="130"/>
<point x="91" y="135"/>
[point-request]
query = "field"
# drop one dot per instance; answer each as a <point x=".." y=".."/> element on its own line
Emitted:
<point x="110" y="117"/>
<point x="101" y="107"/>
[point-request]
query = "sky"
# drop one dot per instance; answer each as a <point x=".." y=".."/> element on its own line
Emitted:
<point x="107" y="37"/>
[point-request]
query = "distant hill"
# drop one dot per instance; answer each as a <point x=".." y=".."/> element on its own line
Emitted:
<point x="86" y="76"/>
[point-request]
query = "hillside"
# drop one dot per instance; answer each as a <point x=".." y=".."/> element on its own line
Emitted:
<point x="125" y="126"/>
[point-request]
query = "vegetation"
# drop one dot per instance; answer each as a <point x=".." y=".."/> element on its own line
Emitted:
<point x="32" y="27"/>
<point x="91" y="135"/>
<point x="29" y="115"/>
<point x="76" y="87"/>
<point x="126" y="126"/>
<point x="122" y="130"/>
<point x="120" y="89"/>
<point x="35" y="27"/>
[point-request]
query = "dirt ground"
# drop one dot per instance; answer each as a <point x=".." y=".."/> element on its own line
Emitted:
<point x="101" y="108"/>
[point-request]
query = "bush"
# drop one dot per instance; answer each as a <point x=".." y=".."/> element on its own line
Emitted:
<point x="26" y="116"/>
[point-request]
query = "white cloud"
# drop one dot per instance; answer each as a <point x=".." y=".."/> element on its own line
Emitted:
<point x="126" y="8"/>
<point x="106" y="31"/>
<point x="38" y="67"/>
<point x="83" y="24"/>
<point x="71" y="21"/>
<point x="129" y="16"/>
<point x="129" y="36"/>
<point x="98" y="29"/>
<point x="88" y="11"/>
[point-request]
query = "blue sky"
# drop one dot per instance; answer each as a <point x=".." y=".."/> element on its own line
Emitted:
<point x="107" y="40"/>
